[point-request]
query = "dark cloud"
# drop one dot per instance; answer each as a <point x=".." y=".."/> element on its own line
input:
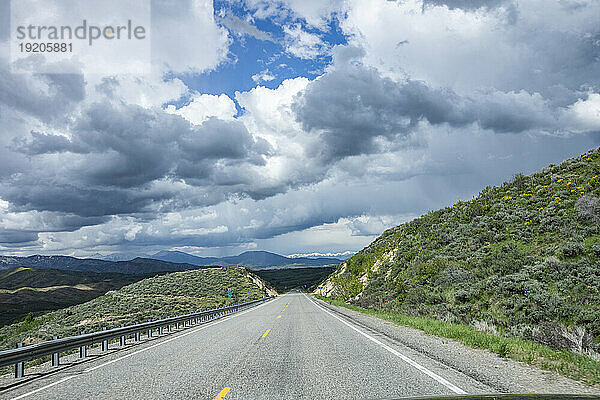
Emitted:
<point x="216" y="139"/>
<point x="8" y="236"/>
<point x="115" y="153"/>
<point x="26" y="192"/>
<point x="45" y="96"/>
<point x="41" y="143"/>
<point x="351" y="107"/>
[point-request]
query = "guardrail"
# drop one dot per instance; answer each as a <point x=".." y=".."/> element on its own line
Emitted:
<point x="18" y="356"/>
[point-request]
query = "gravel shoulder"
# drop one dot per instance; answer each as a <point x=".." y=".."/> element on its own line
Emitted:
<point x="504" y="375"/>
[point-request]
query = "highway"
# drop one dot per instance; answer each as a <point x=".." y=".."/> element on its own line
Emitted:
<point x="289" y="348"/>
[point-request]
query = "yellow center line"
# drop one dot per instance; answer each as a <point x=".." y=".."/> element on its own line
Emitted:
<point x="222" y="394"/>
<point x="266" y="333"/>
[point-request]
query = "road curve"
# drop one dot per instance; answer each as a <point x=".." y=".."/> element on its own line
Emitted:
<point x="288" y="348"/>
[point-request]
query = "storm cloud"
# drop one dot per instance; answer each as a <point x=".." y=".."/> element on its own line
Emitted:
<point x="116" y="155"/>
<point x="351" y="107"/>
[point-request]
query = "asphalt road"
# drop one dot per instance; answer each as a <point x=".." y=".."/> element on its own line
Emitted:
<point x="288" y="348"/>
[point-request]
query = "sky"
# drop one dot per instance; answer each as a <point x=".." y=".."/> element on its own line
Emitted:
<point x="292" y="126"/>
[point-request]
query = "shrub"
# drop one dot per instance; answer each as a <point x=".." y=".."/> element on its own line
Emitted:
<point x="521" y="181"/>
<point x="571" y="249"/>
<point x="588" y="208"/>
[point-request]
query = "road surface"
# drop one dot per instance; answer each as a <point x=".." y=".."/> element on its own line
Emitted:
<point x="288" y="348"/>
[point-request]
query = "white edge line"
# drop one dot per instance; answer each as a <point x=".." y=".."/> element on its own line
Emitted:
<point x="404" y="358"/>
<point x="45" y="387"/>
<point x="213" y="323"/>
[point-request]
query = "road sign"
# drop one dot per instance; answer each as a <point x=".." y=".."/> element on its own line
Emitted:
<point x="320" y="287"/>
<point x="229" y="292"/>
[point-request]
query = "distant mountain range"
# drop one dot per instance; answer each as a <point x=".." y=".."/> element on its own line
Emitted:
<point x="250" y="259"/>
<point x="135" y="266"/>
<point x="164" y="261"/>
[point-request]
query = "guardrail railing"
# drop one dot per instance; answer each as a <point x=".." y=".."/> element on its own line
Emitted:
<point x="18" y="356"/>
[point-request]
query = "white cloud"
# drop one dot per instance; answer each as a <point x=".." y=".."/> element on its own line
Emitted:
<point x="144" y="90"/>
<point x="542" y="48"/>
<point x="316" y="13"/>
<point x="368" y="225"/>
<point x="303" y="44"/>
<point x="132" y="232"/>
<point x="200" y="231"/>
<point x="186" y="37"/>
<point x="181" y="36"/>
<point x="205" y="106"/>
<point x="587" y="112"/>
<point x="263" y="76"/>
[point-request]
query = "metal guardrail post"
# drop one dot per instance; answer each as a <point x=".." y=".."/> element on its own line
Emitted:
<point x="55" y="356"/>
<point x="137" y="335"/>
<point x="82" y="349"/>
<point x="104" y="342"/>
<point x="20" y="366"/>
<point x="122" y="339"/>
<point x="149" y="331"/>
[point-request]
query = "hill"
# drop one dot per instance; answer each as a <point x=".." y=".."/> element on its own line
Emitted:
<point x="135" y="266"/>
<point x="520" y="260"/>
<point x="181" y="257"/>
<point x="250" y="259"/>
<point x="153" y="298"/>
<point x="283" y="279"/>
<point x="24" y="290"/>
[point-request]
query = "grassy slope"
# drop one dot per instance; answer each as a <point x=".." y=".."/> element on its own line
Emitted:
<point x="520" y="260"/>
<point x="24" y="290"/>
<point x="149" y="299"/>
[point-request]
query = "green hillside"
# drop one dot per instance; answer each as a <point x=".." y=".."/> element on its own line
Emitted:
<point x="520" y="260"/>
<point x="149" y="299"/>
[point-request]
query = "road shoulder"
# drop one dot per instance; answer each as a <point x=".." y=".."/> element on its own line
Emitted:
<point x="507" y="376"/>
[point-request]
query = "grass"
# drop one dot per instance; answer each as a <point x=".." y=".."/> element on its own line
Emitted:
<point x="566" y="363"/>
